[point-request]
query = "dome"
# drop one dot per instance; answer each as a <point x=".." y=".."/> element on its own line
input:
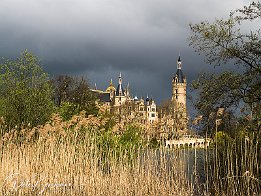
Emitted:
<point x="111" y="88"/>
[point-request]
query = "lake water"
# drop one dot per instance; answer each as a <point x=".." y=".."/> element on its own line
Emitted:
<point x="195" y="162"/>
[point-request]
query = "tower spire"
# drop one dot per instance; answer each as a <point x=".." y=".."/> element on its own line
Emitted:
<point x="179" y="63"/>
<point x="120" y="90"/>
<point x="120" y="80"/>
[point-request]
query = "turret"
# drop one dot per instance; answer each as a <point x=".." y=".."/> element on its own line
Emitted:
<point x="127" y="92"/>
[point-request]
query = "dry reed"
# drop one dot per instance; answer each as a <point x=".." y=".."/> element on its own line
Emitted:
<point x="64" y="158"/>
<point x="60" y="162"/>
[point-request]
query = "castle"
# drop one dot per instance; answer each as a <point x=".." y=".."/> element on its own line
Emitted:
<point x="161" y="122"/>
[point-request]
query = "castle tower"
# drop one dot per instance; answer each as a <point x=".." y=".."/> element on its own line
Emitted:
<point x="120" y="97"/>
<point x="179" y="85"/>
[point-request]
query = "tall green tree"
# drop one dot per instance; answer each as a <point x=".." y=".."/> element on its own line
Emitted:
<point x="26" y="93"/>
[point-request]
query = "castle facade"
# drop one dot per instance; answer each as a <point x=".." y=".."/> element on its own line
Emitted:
<point x="164" y="122"/>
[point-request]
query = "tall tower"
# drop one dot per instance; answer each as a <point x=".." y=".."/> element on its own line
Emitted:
<point x="120" y="97"/>
<point x="179" y="85"/>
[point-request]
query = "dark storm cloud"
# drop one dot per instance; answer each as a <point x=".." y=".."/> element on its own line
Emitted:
<point x="100" y="38"/>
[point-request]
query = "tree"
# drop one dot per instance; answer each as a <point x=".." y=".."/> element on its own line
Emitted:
<point x="73" y="95"/>
<point x="221" y="42"/>
<point x="230" y="101"/>
<point x="26" y="93"/>
<point x="62" y="85"/>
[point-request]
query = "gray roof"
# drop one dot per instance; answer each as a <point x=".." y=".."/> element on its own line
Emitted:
<point x="119" y="88"/>
<point x="105" y="97"/>
<point x="179" y="60"/>
<point x="180" y="76"/>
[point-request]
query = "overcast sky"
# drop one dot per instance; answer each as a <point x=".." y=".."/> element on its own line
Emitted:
<point x="100" y="38"/>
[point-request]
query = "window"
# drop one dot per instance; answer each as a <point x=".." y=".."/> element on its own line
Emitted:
<point x="153" y="115"/>
<point x="153" y="109"/>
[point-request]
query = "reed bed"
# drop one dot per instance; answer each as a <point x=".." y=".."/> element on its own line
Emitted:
<point x="65" y="169"/>
<point x="66" y="158"/>
<point x="237" y="167"/>
<point x="69" y="158"/>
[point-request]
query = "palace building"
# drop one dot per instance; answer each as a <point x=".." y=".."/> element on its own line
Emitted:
<point x="165" y="122"/>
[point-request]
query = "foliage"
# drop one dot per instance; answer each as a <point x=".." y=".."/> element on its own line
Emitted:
<point x="153" y="143"/>
<point x="73" y="95"/>
<point x="165" y="107"/>
<point x="67" y="110"/>
<point x="217" y="91"/>
<point x="221" y="138"/>
<point x="131" y="137"/>
<point x="63" y="86"/>
<point x="223" y="41"/>
<point x="25" y="94"/>
<point x="236" y="161"/>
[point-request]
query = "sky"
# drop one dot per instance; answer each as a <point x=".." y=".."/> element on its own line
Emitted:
<point x="98" y="39"/>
